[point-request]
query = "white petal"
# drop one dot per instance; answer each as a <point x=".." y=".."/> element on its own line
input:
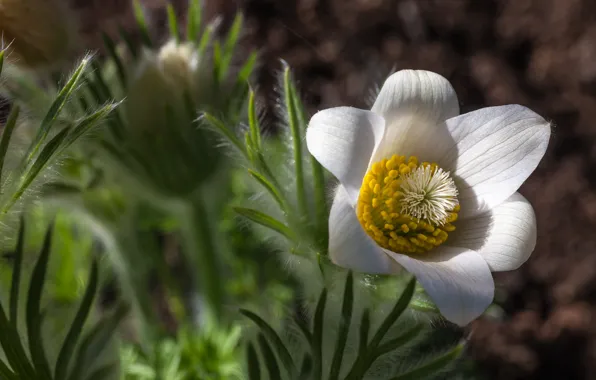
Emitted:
<point x="414" y="104"/>
<point x="343" y="139"/>
<point x="349" y="246"/>
<point x="496" y="149"/>
<point x="505" y="236"/>
<point x="458" y="280"/>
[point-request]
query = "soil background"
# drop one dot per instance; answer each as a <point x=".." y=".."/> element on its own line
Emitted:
<point x="538" y="53"/>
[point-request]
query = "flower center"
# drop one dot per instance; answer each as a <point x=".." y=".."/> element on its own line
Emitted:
<point x="407" y="207"/>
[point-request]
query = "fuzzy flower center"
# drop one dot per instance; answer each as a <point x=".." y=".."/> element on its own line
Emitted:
<point x="407" y="207"/>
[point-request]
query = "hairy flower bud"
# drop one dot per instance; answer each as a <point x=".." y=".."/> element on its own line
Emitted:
<point x="178" y="63"/>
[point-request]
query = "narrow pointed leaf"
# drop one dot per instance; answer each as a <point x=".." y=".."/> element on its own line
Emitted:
<point x="120" y="70"/>
<point x="317" y="338"/>
<point x="132" y="49"/>
<point x="205" y="39"/>
<point x="38" y="165"/>
<point x="303" y="326"/>
<point x="344" y="327"/>
<point x="253" y="123"/>
<point x="173" y="22"/>
<point x="296" y="141"/>
<point x="100" y="81"/>
<point x="87" y="123"/>
<point x="433" y="367"/>
<point x="102" y="373"/>
<point x="265" y="220"/>
<point x="269" y="357"/>
<point x="269" y="187"/>
<point x="70" y="342"/>
<point x="220" y="127"/>
<point x="278" y="345"/>
<point x="95" y="341"/>
<point x="248" y="67"/>
<point x="306" y="368"/>
<point x="364" y="330"/>
<point x="194" y="16"/>
<point x="2" y="53"/>
<point x="229" y="46"/>
<point x="16" y="275"/>
<point x="7" y="131"/>
<point x="400" y="306"/>
<point x="318" y="177"/>
<point x="399" y="341"/>
<point x="13" y="347"/>
<point x="5" y="372"/>
<point x="34" y="317"/>
<point x="254" y="368"/>
<point x="142" y="23"/>
<point x="52" y="114"/>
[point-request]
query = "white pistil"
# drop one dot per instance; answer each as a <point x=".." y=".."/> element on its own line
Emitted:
<point x="429" y="195"/>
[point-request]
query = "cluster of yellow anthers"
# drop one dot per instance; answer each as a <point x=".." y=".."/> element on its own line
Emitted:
<point x="390" y="217"/>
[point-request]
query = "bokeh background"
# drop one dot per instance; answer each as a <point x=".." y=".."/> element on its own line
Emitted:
<point x="538" y="53"/>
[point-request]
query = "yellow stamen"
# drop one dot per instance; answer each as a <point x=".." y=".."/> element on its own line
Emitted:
<point x="407" y="207"/>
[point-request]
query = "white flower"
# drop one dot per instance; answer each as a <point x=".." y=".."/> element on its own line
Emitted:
<point x="426" y="189"/>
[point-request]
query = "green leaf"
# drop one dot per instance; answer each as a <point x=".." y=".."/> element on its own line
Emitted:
<point x="220" y="127"/>
<point x="296" y="142"/>
<point x="131" y="47"/>
<point x="194" y="15"/>
<point x="34" y="317"/>
<point x="16" y="275"/>
<point x="247" y="69"/>
<point x="13" y="348"/>
<point x="303" y="326"/>
<point x="39" y="164"/>
<point x="270" y="360"/>
<point x="142" y="23"/>
<point x="253" y="123"/>
<point x="111" y="47"/>
<point x="103" y="372"/>
<point x="317" y="338"/>
<point x="5" y="372"/>
<point x="254" y="368"/>
<point x="217" y="57"/>
<point x="173" y="22"/>
<point x="306" y="368"/>
<point x="88" y="122"/>
<point x="271" y="189"/>
<point x="70" y="342"/>
<point x="400" y="306"/>
<point x="229" y="46"/>
<point x="364" y="330"/>
<point x="100" y="81"/>
<point x="265" y="220"/>
<point x="52" y="114"/>
<point x="318" y="177"/>
<point x="278" y="345"/>
<point x="7" y="131"/>
<point x="344" y="327"/>
<point x="205" y="39"/>
<point x="399" y="341"/>
<point x="432" y="367"/>
<point x="2" y="53"/>
<point x="96" y="341"/>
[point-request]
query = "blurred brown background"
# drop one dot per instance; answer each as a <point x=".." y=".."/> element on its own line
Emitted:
<point x="539" y="53"/>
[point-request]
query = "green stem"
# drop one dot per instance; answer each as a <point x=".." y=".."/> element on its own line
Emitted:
<point x="202" y="254"/>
